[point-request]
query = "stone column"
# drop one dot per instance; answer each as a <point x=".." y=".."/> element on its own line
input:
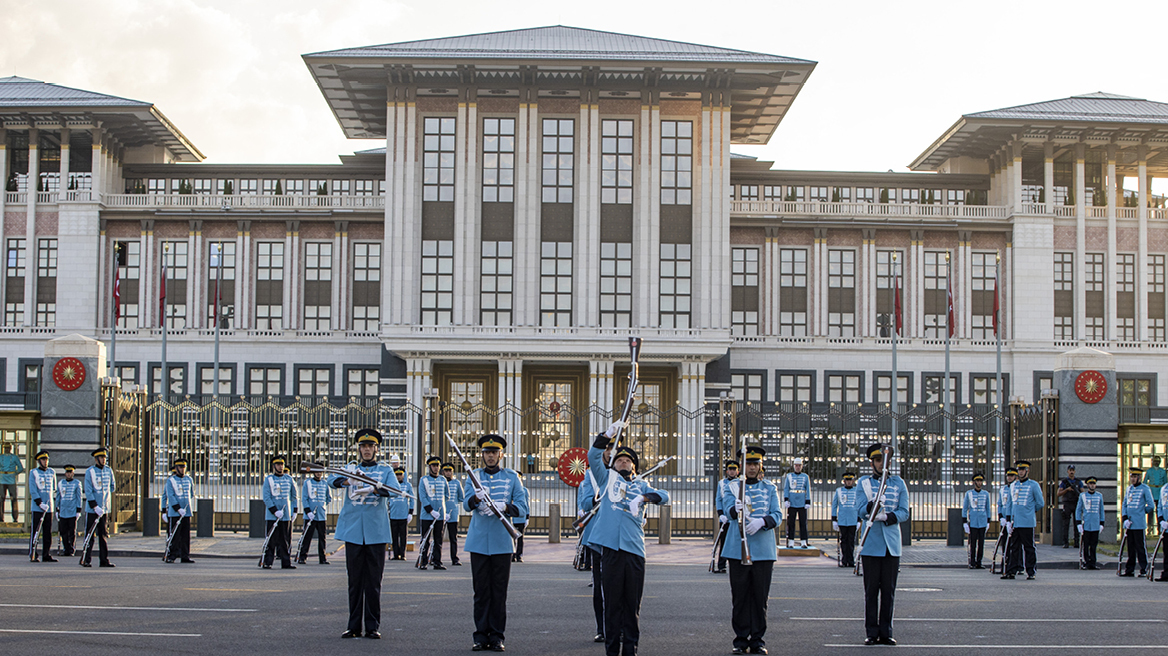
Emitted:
<point x="30" y="260"/>
<point x="1048" y="175"/>
<point x="1088" y="432"/>
<point x="1080" y="240"/>
<point x="462" y="224"/>
<point x="3" y="202"/>
<point x="1142" y="254"/>
<point x="71" y="419"/>
<point x="96" y="180"/>
<point x="1109" y="270"/>
<point x="63" y="171"/>
<point x="1016" y="176"/>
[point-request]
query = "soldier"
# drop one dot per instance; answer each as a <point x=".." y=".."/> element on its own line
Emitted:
<point x="315" y="497"/>
<point x="454" y="498"/>
<point x="363" y="525"/>
<point x="844" y="520"/>
<point x="750" y="583"/>
<point x="1089" y="521"/>
<point x="520" y="523"/>
<point x="489" y="543"/>
<point x="99" y="494"/>
<point x="1005" y="525"/>
<point x="1025" y="502"/>
<point x="1137" y="501"/>
<point x="586" y="497"/>
<point x="432" y="500"/>
<point x="797" y="503"/>
<point x="401" y="513"/>
<point x="1163" y="517"/>
<point x="280" y="499"/>
<point x="881" y="549"/>
<point x="1068" y="493"/>
<point x="69" y="501"/>
<point x="620" y="534"/>
<point x="731" y="472"/>
<point x="975" y="510"/>
<point x="42" y="491"/>
<point x="178" y="497"/>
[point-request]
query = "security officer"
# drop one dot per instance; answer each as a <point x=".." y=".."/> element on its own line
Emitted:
<point x="750" y="583"/>
<point x="731" y="471"/>
<point x="797" y="502"/>
<point x="178" y="495"/>
<point x="880" y="552"/>
<point x="975" y="510"/>
<point x="432" y="499"/>
<point x="99" y="494"/>
<point x="489" y="543"/>
<point x="69" y="500"/>
<point x="363" y="526"/>
<point x="454" y="498"/>
<point x="1089" y="521"/>
<point x="1137" y="502"/>
<point x="42" y="491"/>
<point x="401" y="513"/>
<point x="1025" y="502"/>
<point x="620" y="534"/>
<point x="844" y="519"/>
<point x="280" y="499"/>
<point x="585" y="499"/>
<point x="520" y="523"/>
<point x="315" y="497"/>
<point x="1068" y="493"/>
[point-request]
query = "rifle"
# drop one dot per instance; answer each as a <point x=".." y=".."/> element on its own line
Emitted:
<point x="32" y="548"/>
<point x="877" y="505"/>
<point x="1152" y="561"/>
<point x="170" y="532"/>
<point x="742" y="519"/>
<point x="312" y="468"/>
<point x="1122" y="543"/>
<point x="478" y="486"/>
<point x="579" y="524"/>
<point x="634" y="382"/>
<point x="719" y="540"/>
<point x="427" y="543"/>
<point x="89" y="535"/>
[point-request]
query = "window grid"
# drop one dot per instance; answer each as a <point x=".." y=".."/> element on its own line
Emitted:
<point x="616" y="284"/>
<point x="558" y="159"/>
<point x="841" y="283"/>
<point x="438" y="159"/>
<point x="984" y="267"/>
<point x="555" y="284"/>
<point x="269" y="273"/>
<point x="884" y="382"/>
<point x="1094" y="281"/>
<point x="1156" y="328"/>
<point x="936" y="268"/>
<point x="15" y="272"/>
<point x="175" y="254"/>
<point x="933" y="391"/>
<point x="676" y="162"/>
<point x="843" y="388"/>
<point x="264" y="381"/>
<point x="744" y="291"/>
<point x="437" y="282"/>
<point x="46" y="312"/>
<point x="363" y="382"/>
<point x="616" y="161"/>
<point x="207" y="380"/>
<point x="819" y="194"/>
<point x="226" y="296"/>
<point x="366" y="269"/>
<point x="792" y="276"/>
<point x="985" y="389"/>
<point x="362" y="187"/>
<point x="747" y="387"/>
<point x="675" y="284"/>
<point x="748" y="192"/>
<point x="495" y="294"/>
<point x="498" y="160"/>
<point x="314" y="381"/>
<point x="795" y="388"/>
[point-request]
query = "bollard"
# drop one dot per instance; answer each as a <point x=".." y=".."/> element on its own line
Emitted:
<point x="955" y="529"/>
<point x="206" y="515"/>
<point x="150" y="518"/>
<point x="664" y="524"/>
<point x="553" y="523"/>
<point x="906" y="531"/>
<point x="256" y="526"/>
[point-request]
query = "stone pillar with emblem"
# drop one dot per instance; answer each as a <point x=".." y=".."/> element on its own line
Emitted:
<point x="1088" y="426"/>
<point x="74" y="366"/>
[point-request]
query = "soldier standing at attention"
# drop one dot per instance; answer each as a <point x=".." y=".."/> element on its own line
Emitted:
<point x="178" y="495"/>
<point x="69" y="501"/>
<point x="315" y="497"/>
<point x="432" y="500"/>
<point x="881" y="549"/>
<point x="1137" y="502"/>
<point x="844" y="519"/>
<point x="750" y="584"/>
<point x="975" y="510"/>
<point x="1163" y="517"/>
<point x="99" y="494"/>
<point x="1088" y="522"/>
<point x="280" y="499"/>
<point x="723" y="485"/>
<point x="797" y="502"/>
<point x="455" y="495"/>
<point x="401" y="513"/>
<point x="42" y="491"/>
<point x="1025" y="502"/>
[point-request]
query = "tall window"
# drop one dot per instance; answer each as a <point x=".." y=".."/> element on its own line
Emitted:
<point x="495" y="284"/>
<point x="954" y="196"/>
<point x="747" y="387"/>
<point x="982" y="298"/>
<point x="616" y="284"/>
<point x="1095" y="292"/>
<point x="498" y="160"/>
<point x="46" y="291"/>
<point x="250" y="186"/>
<point x="793" y="292"/>
<point x="934" y="392"/>
<point x="555" y="284"/>
<point x="437" y="282"/>
<point x="129" y="279"/>
<point x="363" y="382"/>
<point x="748" y="192"/>
<point x="264" y="381"/>
<point x="314" y="381"/>
<point x="225" y="287"/>
<point x="985" y="389"/>
<point x="175" y="254"/>
<point x="438" y="159"/>
<point x="318" y="276"/>
<point x="886" y="278"/>
<point x="910" y="195"/>
<point x="676" y="162"/>
<point x="340" y="187"/>
<point x="1125" y="297"/>
<point x="744" y="291"/>
<point x="675" y="285"/>
<point x="366" y="286"/>
<point x="616" y="161"/>
<point x="883" y="385"/>
<point x="1156" y="298"/>
<point x="207" y="380"/>
<point x="818" y="194"/>
<point x="795" y="388"/>
<point x="362" y="187"/>
<point x="1064" y="296"/>
<point x="14" y="285"/>
<point x="558" y="159"/>
<point x="294" y="187"/>
<point x="936" y="317"/>
<point x="841" y="293"/>
<point x="202" y="185"/>
<point x="269" y="292"/>
<point x="865" y="195"/>
<point x="843" y="388"/>
<point x="772" y="192"/>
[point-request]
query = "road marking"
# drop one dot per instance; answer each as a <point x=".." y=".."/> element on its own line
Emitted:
<point x="32" y="585"/>
<point x="116" y="633"/>
<point x="191" y="610"/>
<point x="232" y="590"/>
<point x="969" y="619"/>
<point x="1019" y="647"/>
<point x="432" y="594"/>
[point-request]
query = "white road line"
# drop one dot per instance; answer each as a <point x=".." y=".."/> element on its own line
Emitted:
<point x="982" y="646"/>
<point x="159" y="608"/>
<point x="115" y="633"/>
<point x="965" y="619"/>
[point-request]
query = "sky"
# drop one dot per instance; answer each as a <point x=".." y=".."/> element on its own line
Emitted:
<point x="891" y="76"/>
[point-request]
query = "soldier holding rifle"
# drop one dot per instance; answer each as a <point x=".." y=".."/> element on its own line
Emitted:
<point x="42" y="490"/>
<point x="99" y="494"/>
<point x="882" y="504"/>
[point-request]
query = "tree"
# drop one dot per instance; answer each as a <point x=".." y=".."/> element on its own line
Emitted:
<point x="279" y="189"/>
<point x="228" y="188"/>
<point x="884" y="195"/>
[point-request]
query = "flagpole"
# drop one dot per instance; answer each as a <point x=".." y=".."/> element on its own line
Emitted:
<point x="114" y="296"/>
<point x="164" y="378"/>
<point x="945" y="387"/>
<point x="998" y="334"/>
<point x="895" y="387"/>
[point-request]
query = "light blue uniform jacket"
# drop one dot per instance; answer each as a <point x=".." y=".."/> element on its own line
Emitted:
<point x="1004" y="509"/>
<point x="42" y="487"/>
<point x="486" y="534"/>
<point x="585" y="499"/>
<point x="882" y="539"/>
<point x="762" y="501"/>
<point x="975" y="508"/>
<point x="797" y="489"/>
<point x="178" y="492"/>
<point x="1090" y="511"/>
<point x="69" y="498"/>
<point x="364" y="518"/>
<point x="843" y="506"/>
<point x="400" y="507"/>
<point x="99" y="488"/>
<point x="1025" y="500"/>
<point x="616" y="527"/>
<point x="1137" y="502"/>
<point x="279" y="494"/>
<point x="315" y="497"/>
<point x="432" y="496"/>
<point x="455" y="495"/>
<point x="521" y="520"/>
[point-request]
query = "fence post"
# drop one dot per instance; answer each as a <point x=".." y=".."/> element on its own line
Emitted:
<point x="150" y="517"/>
<point x="664" y="524"/>
<point x="553" y="523"/>
<point x="206" y="524"/>
<point x="257" y="527"/>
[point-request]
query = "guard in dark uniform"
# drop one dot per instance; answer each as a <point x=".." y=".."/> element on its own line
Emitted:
<point x="881" y="549"/>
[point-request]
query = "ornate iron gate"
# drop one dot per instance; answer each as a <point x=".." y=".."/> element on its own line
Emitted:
<point x="121" y="431"/>
<point x="1034" y="436"/>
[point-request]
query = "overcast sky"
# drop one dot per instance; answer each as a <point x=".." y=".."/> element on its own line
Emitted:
<point x="892" y="76"/>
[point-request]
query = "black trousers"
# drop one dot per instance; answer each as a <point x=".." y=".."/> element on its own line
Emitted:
<point x="801" y="513"/>
<point x="847" y="539"/>
<point x="1022" y="554"/>
<point x="1069" y="529"/>
<point x="623" y="586"/>
<point x="452" y="538"/>
<point x="365" y="564"/>
<point x="398" y="529"/>
<point x="280" y="543"/>
<point x="434" y="557"/>
<point x="490" y="576"/>
<point x="879" y="594"/>
<point x="67" y="528"/>
<point x="1090" y="544"/>
<point x="319" y="528"/>
<point x="522" y="528"/>
<point x="180" y="544"/>
<point x="8" y="491"/>
<point x="597" y="587"/>
<point x="100" y="536"/>
<point x="750" y="587"/>
<point x="976" y="545"/>
<point x="45" y="521"/>
<point x="1136" y="550"/>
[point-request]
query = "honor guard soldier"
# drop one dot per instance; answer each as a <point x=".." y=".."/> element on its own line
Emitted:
<point x="881" y="549"/>
<point x="432" y="500"/>
<point x="454" y="498"/>
<point x="489" y="543"/>
<point x="69" y="500"/>
<point x="797" y="502"/>
<point x="1163" y="518"/>
<point x="975" y="511"/>
<point x="315" y="498"/>
<point x="401" y="513"/>
<point x="520" y="523"/>
<point x="1025" y="502"/>
<point x="844" y="519"/>
<point x="178" y="497"/>
<point x="750" y="582"/>
<point x="1005" y="523"/>
<point x="585" y="499"/>
<point x="42" y="491"/>
<point x="99" y="494"/>
<point x="731" y="472"/>
<point x="280" y="499"/>
<point x="363" y="526"/>
<point x="1089" y="521"/>
<point x="619" y="532"/>
<point x="1137" y="502"/>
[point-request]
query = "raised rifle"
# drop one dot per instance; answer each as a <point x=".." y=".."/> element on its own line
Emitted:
<point x="877" y="506"/>
<point x="634" y="382"/>
<point x="352" y="474"/>
<point x="478" y="487"/>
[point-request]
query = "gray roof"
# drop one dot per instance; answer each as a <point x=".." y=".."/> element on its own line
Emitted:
<point x="1098" y="106"/>
<point x="23" y="92"/>
<point x="558" y="42"/>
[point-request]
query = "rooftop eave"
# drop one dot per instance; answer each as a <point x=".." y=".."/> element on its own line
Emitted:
<point x="919" y="163"/>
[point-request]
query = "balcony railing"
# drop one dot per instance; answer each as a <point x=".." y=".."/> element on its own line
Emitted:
<point x="883" y="210"/>
<point x="240" y="201"/>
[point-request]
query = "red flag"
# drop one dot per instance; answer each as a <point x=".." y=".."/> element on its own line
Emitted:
<point x="997" y="307"/>
<point x="896" y="299"/>
<point x="162" y="295"/>
<point x="949" y="301"/>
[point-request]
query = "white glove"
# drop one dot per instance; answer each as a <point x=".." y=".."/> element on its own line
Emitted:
<point x="1126" y="524"/>
<point x="78" y="514"/>
<point x="499" y="505"/>
<point x="1164" y="525"/>
<point x="483" y="495"/>
<point x="635" y="504"/>
<point x="310" y="516"/>
<point x="185" y="512"/>
<point x="738" y="506"/>
<point x="364" y="490"/>
<point x="165" y="519"/>
<point x="99" y="511"/>
<point x="1080" y="527"/>
<point x="835" y="526"/>
<point x="966" y="526"/>
<point x="786" y="506"/>
<point x="1010" y="527"/>
<point x="859" y="523"/>
<point x="351" y="468"/>
<point x="881" y="516"/>
<point x="279" y="515"/>
<point x="44" y="506"/>
<point x="435" y="514"/>
<point x="614" y="428"/>
<point x="485" y="509"/>
<point x="722" y="519"/>
<point x="808" y="504"/>
<point x="579" y="514"/>
<point x="754" y="526"/>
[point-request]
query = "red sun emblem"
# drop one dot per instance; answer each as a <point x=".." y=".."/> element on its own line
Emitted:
<point x="1090" y="387"/>
<point x="69" y="374"/>
<point x="573" y="466"/>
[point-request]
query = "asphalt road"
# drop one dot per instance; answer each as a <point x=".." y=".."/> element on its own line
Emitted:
<point x="230" y="606"/>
